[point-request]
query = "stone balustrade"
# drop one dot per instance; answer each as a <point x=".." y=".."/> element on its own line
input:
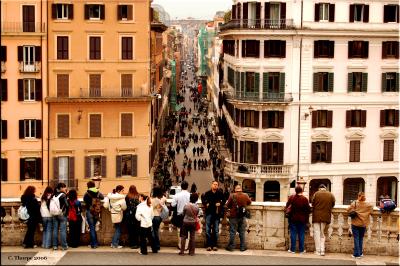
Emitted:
<point x="266" y="229"/>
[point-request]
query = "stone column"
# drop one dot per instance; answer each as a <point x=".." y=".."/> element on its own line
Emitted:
<point x="371" y="188"/>
<point x="259" y="190"/>
<point x="337" y="188"/>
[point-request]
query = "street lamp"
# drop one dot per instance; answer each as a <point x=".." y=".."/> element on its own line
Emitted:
<point x="97" y="181"/>
<point x="301" y="182"/>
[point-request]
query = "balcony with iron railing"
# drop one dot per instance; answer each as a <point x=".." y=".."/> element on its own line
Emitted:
<point x="22" y="27"/>
<point x="274" y="24"/>
<point x="29" y="67"/>
<point x="245" y="170"/>
<point x="279" y="97"/>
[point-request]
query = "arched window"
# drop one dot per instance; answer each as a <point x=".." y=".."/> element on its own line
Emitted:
<point x="386" y="185"/>
<point x="314" y="184"/>
<point x="272" y="191"/>
<point x="351" y="187"/>
<point x="249" y="187"/>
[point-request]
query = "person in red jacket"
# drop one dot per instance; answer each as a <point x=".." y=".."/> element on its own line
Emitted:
<point x="298" y="218"/>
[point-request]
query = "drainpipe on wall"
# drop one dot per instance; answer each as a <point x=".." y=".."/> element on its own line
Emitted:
<point x="299" y="108"/>
<point x="41" y="78"/>
<point x="47" y="93"/>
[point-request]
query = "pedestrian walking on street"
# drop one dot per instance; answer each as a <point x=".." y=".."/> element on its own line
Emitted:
<point x="190" y="214"/>
<point x="322" y="202"/>
<point x="28" y="200"/>
<point x="189" y="168"/>
<point x="74" y="219"/>
<point x="193" y="188"/>
<point x="133" y="225"/>
<point x="237" y="222"/>
<point x="47" y="219"/>
<point x="300" y="210"/>
<point x="198" y="151"/>
<point x="359" y="223"/>
<point x="178" y="148"/>
<point x="195" y="164"/>
<point x="194" y="151"/>
<point x="116" y="204"/>
<point x="213" y="201"/>
<point x="144" y="214"/>
<point x="183" y="174"/>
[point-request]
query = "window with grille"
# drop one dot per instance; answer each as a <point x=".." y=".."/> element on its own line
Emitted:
<point x="62" y="47"/>
<point x="94" y="48"/>
<point x="354" y="151"/>
<point x="95" y="125"/>
<point x="388" y="150"/>
<point x="351" y="188"/>
<point x="127" y="48"/>
<point x="126" y="124"/>
<point x="63" y="126"/>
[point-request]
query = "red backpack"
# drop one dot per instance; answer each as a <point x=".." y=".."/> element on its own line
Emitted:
<point x="72" y="216"/>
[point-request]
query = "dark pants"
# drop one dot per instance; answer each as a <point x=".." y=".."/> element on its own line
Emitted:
<point x="212" y="230"/>
<point x="92" y="220"/>
<point x="146" y="234"/>
<point x="74" y="234"/>
<point x="30" y="233"/>
<point x="358" y="234"/>
<point x="156" y="231"/>
<point x="297" y="229"/>
<point x="237" y="225"/>
<point x="133" y="231"/>
<point x="185" y="230"/>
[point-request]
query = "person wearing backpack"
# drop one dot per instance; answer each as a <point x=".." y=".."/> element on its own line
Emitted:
<point x="92" y="199"/>
<point x="47" y="218"/>
<point x="133" y="225"/>
<point x="115" y="203"/>
<point x="74" y="219"/>
<point x="237" y="222"/>
<point x="59" y="210"/>
<point x="157" y="202"/>
<point x="28" y="200"/>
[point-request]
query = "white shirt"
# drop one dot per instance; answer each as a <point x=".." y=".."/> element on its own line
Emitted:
<point x="180" y="201"/>
<point x="144" y="214"/>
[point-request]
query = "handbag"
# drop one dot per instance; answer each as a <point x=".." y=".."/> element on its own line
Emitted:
<point x="288" y="210"/>
<point x="353" y="214"/>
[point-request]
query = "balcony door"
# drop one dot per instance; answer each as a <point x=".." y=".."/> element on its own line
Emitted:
<point x="28" y="18"/>
<point x="29" y="58"/>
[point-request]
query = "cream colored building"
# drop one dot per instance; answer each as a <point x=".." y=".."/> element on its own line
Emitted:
<point x="24" y="118"/>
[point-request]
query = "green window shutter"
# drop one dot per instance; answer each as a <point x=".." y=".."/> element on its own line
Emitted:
<point x="383" y="82"/>
<point x="256" y="83"/>
<point x="397" y="82"/>
<point x="237" y="81"/>
<point x="330" y="82"/>
<point x="349" y="82"/>
<point x="265" y="82"/>
<point x="282" y="84"/>
<point x="315" y="82"/>
<point x="242" y="81"/>
<point x="364" y="87"/>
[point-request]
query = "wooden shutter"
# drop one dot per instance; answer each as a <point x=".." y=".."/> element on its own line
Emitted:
<point x="329" y="152"/>
<point x="95" y="81"/>
<point x="331" y="12"/>
<point x="233" y="12"/>
<point x="38" y="168"/>
<point x="385" y="12"/>
<point x="313" y="152"/>
<point x="86" y="12"/>
<point x="388" y="150"/>
<point x="63" y="126"/>
<point x="396" y="118"/>
<point x="283" y="12"/>
<point x="95" y="125"/>
<point x="103" y="166"/>
<point x="282" y="84"/>
<point x="316" y="12"/>
<point x="363" y="118"/>
<point x="351" y="13"/>
<point x="267" y="48"/>
<point x="130" y="12"/>
<point x="20" y="89"/>
<point x="281" y="117"/>
<point x="283" y="49"/>
<point x="20" y="53"/>
<point x="102" y="12"/>
<point x="264" y="119"/>
<point x="55" y="168"/>
<point x="350" y="82"/>
<point x="382" y="118"/>
<point x="256" y="119"/>
<point x="119" y="12"/>
<point x="348" y="118"/>
<point x="245" y="10"/>
<point x="384" y="49"/>
<point x="239" y="13"/>
<point x="53" y="11"/>
<point x="316" y="82"/>
<point x="265" y="82"/>
<point x="384" y="82"/>
<point x="118" y="166"/>
<point x="258" y="12"/>
<point x="38" y="89"/>
<point x="21" y="169"/>
<point x="242" y="118"/>
<point x="314" y="119"/>
<point x="21" y="129"/>
<point x="365" y="49"/>
<point x="87" y="166"/>
<point x="256" y="83"/>
<point x="38" y="126"/>
<point x="70" y="11"/>
<point x="354" y="151"/>
<point x="62" y="85"/>
<point x="330" y="82"/>
<point x="366" y="13"/>
<point x="134" y="165"/>
<point x="364" y="84"/>
<point x="329" y="119"/>
<point x="71" y="168"/>
<point x="4" y="129"/>
<point x="3" y="53"/>
<point x="331" y="48"/>
<point x="4" y="169"/>
<point x="126" y="125"/>
<point x="38" y="53"/>
<point x="396" y="88"/>
<point x="280" y="153"/>
<point x="316" y="49"/>
<point x="267" y="11"/>
<point x="4" y="90"/>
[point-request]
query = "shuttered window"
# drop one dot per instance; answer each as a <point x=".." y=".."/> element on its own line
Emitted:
<point x="125" y="12"/>
<point x="273" y="119"/>
<point x="358" y="49"/>
<point x="323" y="82"/>
<point x="250" y="48"/>
<point x="30" y="128"/>
<point x="272" y="153"/>
<point x="359" y="13"/>
<point x="126" y="165"/>
<point x="249" y="152"/>
<point x="126" y="124"/>
<point x="321" y="151"/>
<point x="275" y="48"/>
<point x="389" y="118"/>
<point x="63" y="126"/>
<point x="126" y="85"/>
<point x="322" y="118"/>
<point x="94" y="48"/>
<point x="3" y="54"/>
<point x="388" y="150"/>
<point x="390" y="50"/>
<point x="62" y="11"/>
<point x="62" y="47"/>
<point x="228" y="47"/>
<point x="94" y="12"/>
<point x="231" y="77"/>
<point x="28" y="18"/>
<point x="127" y="48"/>
<point x="62" y="85"/>
<point x="94" y="85"/>
<point x="390" y="82"/>
<point x="95" y="125"/>
<point x="356" y="118"/>
<point x="391" y="13"/>
<point x="357" y="82"/>
<point x="30" y="168"/>
<point x="324" y="12"/>
<point x="95" y="166"/>
<point x="354" y="151"/>
<point x="324" y="49"/>
<point x="249" y="118"/>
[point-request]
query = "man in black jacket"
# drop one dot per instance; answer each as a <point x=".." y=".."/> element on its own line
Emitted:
<point x="213" y="202"/>
<point x="90" y="194"/>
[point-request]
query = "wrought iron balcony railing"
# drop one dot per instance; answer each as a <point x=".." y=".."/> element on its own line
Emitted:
<point x="266" y="96"/>
<point x="18" y="27"/>
<point x="29" y="67"/>
<point x="282" y="24"/>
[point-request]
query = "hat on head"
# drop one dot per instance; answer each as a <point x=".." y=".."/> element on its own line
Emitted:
<point x="322" y="186"/>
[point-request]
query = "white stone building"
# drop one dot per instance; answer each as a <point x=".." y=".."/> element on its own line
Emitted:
<point x="312" y="93"/>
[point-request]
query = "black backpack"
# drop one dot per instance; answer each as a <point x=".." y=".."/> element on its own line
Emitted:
<point x="131" y="205"/>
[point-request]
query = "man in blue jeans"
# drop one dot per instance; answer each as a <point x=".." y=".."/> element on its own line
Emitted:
<point x="91" y="218"/>
<point x="237" y="223"/>
<point x="213" y="201"/>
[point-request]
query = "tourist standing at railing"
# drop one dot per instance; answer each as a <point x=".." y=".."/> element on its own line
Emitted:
<point x="190" y="214"/>
<point x="322" y="203"/>
<point x="60" y="219"/>
<point x="133" y="225"/>
<point x="298" y="219"/>
<point x="360" y="222"/>
<point x="47" y="218"/>
<point x="91" y="197"/>
<point x="157" y="201"/>
<point x="74" y="219"/>
<point x="115" y="203"/>
<point x="28" y="199"/>
<point x="144" y="214"/>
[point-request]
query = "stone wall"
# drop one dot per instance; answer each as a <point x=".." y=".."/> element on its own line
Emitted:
<point x="266" y="229"/>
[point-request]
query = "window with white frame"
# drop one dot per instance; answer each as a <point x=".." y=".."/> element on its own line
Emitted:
<point x="30" y="128"/>
<point x="324" y="12"/>
<point x="62" y="11"/>
<point x="29" y="90"/>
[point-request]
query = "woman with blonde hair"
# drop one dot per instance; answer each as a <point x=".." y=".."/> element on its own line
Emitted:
<point x="360" y="222"/>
